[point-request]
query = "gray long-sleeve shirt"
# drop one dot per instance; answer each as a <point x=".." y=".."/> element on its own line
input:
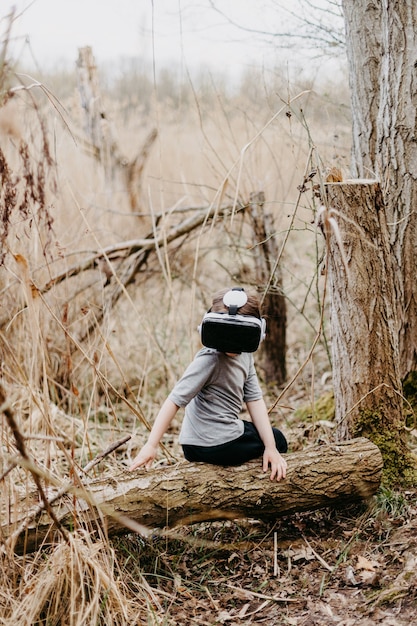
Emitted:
<point x="212" y="390"/>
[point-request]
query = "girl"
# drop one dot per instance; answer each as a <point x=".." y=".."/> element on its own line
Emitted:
<point x="213" y="389"/>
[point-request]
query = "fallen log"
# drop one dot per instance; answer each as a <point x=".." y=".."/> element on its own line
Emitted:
<point x="186" y="493"/>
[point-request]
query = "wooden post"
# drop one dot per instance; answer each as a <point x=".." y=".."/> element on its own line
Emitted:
<point x="98" y="129"/>
<point x="96" y="125"/>
<point x="273" y="349"/>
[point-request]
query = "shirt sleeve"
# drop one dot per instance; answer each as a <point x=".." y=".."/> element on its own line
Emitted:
<point x="252" y="390"/>
<point x="196" y="376"/>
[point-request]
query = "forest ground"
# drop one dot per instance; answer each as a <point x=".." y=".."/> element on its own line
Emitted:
<point x="348" y="566"/>
<point x="356" y="566"/>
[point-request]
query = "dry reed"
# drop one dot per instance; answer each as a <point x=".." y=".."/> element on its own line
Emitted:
<point x="80" y="373"/>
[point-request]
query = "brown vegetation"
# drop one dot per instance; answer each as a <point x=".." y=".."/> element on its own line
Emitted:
<point x="82" y="368"/>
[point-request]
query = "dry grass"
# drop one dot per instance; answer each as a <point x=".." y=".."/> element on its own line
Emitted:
<point x="73" y="584"/>
<point x="66" y="377"/>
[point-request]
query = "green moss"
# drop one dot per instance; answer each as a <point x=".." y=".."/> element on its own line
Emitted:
<point x="323" y="409"/>
<point x="400" y="467"/>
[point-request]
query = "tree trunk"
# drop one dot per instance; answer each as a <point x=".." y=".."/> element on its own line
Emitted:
<point x="381" y="40"/>
<point x="366" y="377"/>
<point x="364" y="53"/>
<point x="269" y="280"/>
<point x="186" y="493"/>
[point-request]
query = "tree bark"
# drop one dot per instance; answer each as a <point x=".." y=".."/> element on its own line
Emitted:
<point x="364" y="54"/>
<point x="186" y="493"/>
<point x="364" y="327"/>
<point x="381" y="39"/>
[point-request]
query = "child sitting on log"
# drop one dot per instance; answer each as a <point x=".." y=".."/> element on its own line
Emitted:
<point x="214" y="387"/>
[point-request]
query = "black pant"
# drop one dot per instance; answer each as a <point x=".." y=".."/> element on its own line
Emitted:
<point x="247" y="446"/>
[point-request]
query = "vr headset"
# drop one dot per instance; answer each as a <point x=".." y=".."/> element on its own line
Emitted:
<point x="231" y="332"/>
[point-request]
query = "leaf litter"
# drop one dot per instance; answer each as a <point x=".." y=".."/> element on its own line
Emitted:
<point x="355" y="566"/>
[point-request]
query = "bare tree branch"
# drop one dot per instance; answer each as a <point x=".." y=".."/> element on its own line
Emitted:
<point x="139" y="248"/>
<point x="319" y="25"/>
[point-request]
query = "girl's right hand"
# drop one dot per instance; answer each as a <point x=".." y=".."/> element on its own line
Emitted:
<point x="145" y="457"/>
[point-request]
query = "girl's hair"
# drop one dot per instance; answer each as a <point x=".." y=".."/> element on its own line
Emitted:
<point x="252" y="306"/>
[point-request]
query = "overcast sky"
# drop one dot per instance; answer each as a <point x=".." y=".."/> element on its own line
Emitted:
<point x="187" y="32"/>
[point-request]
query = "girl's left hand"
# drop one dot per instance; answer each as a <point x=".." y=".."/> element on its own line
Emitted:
<point x="278" y="464"/>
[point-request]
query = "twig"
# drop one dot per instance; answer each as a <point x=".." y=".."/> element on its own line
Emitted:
<point x="8" y="470"/>
<point x="276" y="566"/>
<point x="20" y="445"/>
<point x="287" y="234"/>
<point x="312" y="347"/>
<point x="46" y="502"/>
<point x="253" y="140"/>
<point x="262" y="596"/>
<point x="318" y="557"/>
<point x="136" y="410"/>
<point x="79" y="492"/>
<point x="69" y="487"/>
<point x="105" y="453"/>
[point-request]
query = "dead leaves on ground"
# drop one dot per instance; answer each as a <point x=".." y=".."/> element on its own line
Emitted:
<point x="343" y="568"/>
